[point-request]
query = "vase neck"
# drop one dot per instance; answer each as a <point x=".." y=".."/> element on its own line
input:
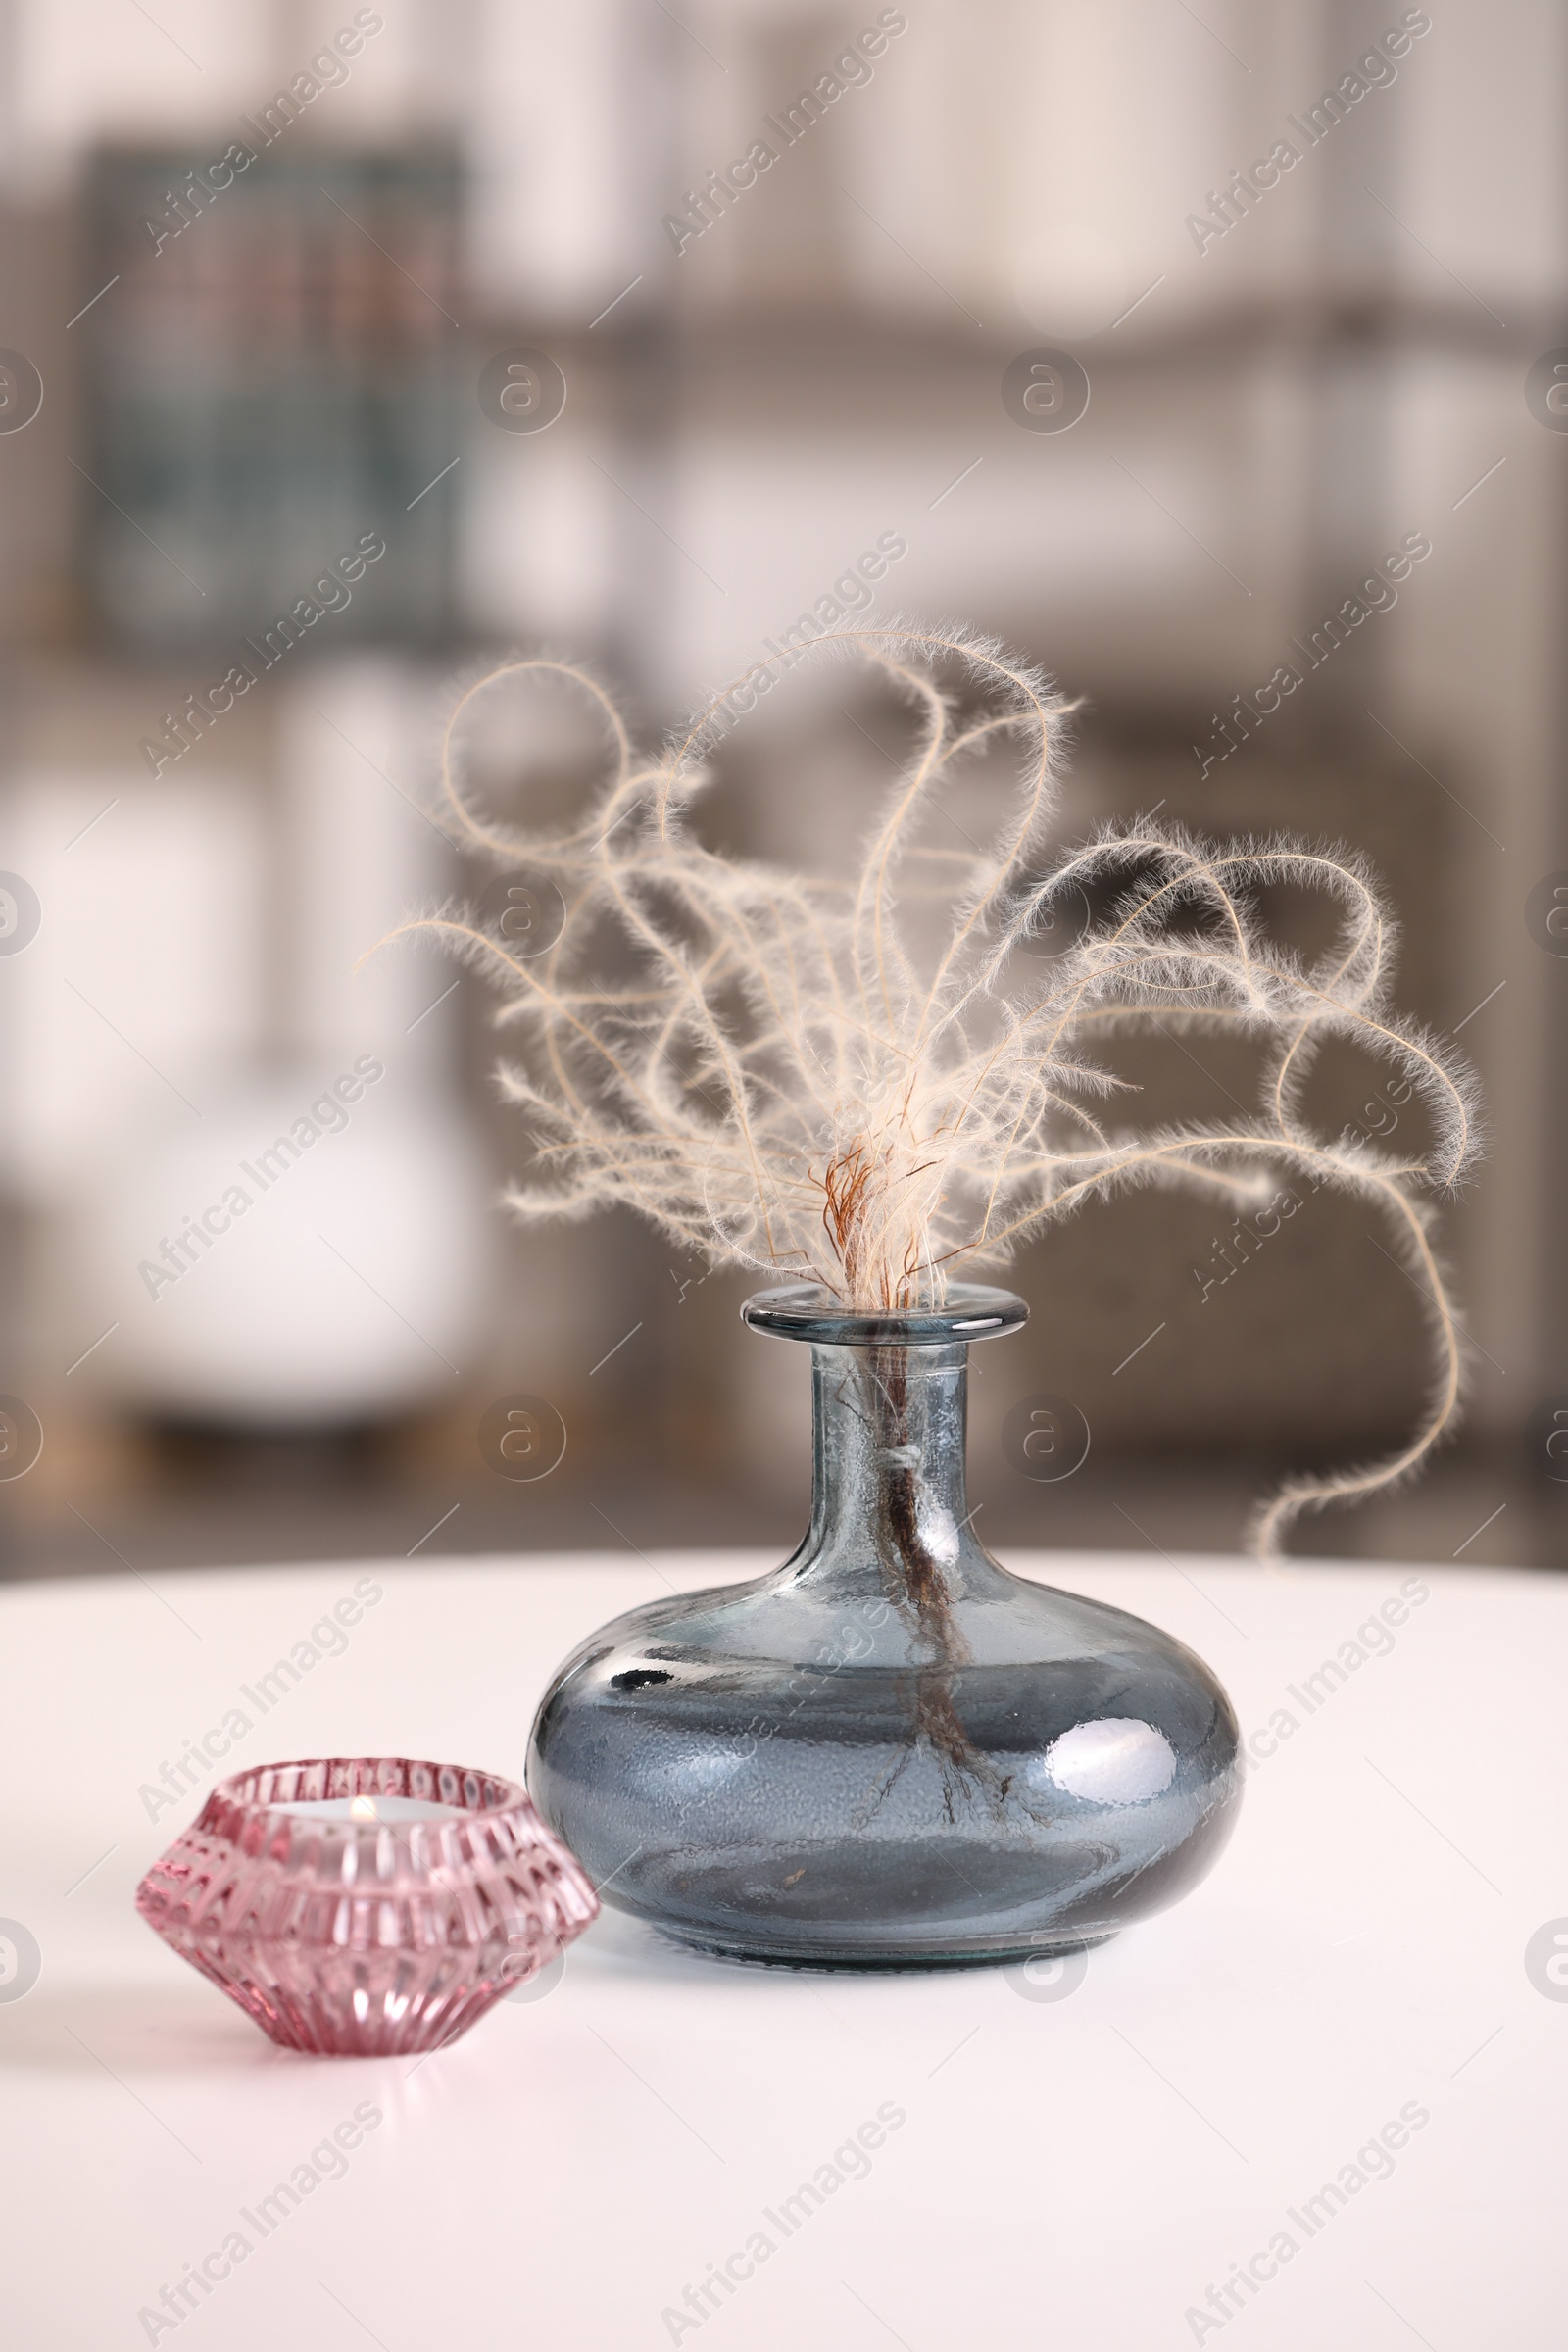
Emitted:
<point x="888" y="1455"/>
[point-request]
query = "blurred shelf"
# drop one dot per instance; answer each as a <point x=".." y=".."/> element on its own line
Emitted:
<point x="769" y="332"/>
<point x="1483" y="1508"/>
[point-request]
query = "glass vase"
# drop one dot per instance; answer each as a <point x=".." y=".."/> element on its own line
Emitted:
<point x="889" y="1752"/>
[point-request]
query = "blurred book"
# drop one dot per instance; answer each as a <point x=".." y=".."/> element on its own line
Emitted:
<point x="272" y="380"/>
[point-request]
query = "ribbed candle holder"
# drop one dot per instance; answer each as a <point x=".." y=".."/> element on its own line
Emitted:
<point x="360" y="1906"/>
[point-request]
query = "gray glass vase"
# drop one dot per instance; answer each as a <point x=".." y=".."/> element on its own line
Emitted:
<point x="890" y="1752"/>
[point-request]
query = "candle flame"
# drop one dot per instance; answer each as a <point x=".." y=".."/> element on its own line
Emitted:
<point x="362" y="1808"/>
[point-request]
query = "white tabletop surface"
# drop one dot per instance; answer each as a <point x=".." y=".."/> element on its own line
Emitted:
<point x="1077" y="2172"/>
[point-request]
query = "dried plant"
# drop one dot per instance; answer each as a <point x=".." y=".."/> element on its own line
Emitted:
<point x="797" y="1076"/>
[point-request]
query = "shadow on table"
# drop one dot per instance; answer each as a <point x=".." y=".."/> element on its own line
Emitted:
<point x="618" y="1945"/>
<point x="138" y="2028"/>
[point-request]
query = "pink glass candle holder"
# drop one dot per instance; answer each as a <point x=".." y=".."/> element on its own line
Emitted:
<point x="358" y="1906"/>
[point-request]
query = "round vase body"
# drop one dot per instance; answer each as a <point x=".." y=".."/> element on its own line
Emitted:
<point x="890" y="1752"/>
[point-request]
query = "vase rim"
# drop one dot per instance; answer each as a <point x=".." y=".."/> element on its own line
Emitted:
<point x="808" y="1311"/>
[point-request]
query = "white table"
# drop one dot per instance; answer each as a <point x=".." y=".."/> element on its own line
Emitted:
<point x="1073" y="2171"/>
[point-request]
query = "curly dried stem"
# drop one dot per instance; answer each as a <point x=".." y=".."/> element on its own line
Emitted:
<point x="789" y="1081"/>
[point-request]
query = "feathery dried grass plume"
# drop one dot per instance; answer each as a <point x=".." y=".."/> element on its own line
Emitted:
<point x="797" y="1077"/>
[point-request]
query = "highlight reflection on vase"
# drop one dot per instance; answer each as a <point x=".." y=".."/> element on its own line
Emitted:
<point x="890" y="1751"/>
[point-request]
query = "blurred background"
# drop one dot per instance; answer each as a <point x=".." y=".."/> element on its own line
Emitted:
<point x="342" y="349"/>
